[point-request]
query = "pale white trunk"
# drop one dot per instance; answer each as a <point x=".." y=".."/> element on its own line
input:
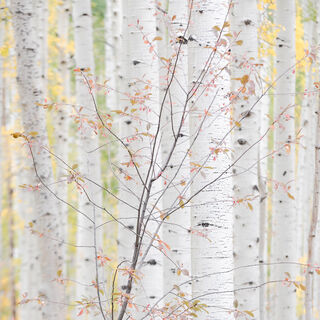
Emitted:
<point x="211" y="212"/>
<point x="138" y="68"/>
<point x="264" y="112"/>
<point x="112" y="43"/>
<point x="284" y="248"/>
<point x="89" y="163"/>
<point x="306" y="143"/>
<point x="46" y="256"/>
<point x="311" y="122"/>
<point x="61" y="124"/>
<point x="246" y="234"/>
<point x="313" y="237"/>
<point x="176" y="229"/>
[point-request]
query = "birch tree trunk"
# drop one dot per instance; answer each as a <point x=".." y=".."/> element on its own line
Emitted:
<point x="306" y="142"/>
<point x="140" y="106"/>
<point x="313" y="236"/>
<point x="263" y="174"/>
<point x="211" y="214"/>
<point x="176" y="229"/>
<point x="112" y="31"/>
<point x="61" y="124"/>
<point x="284" y="247"/>
<point x="89" y="163"/>
<point x="246" y="234"/>
<point x="46" y="253"/>
<point x="40" y="8"/>
<point x="311" y="138"/>
<point x="61" y="117"/>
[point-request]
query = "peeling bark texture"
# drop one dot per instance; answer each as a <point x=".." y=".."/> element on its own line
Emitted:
<point x="211" y="211"/>
<point x="246" y="234"/>
<point x="46" y="257"/>
<point x="284" y="247"/>
<point x="89" y="163"/>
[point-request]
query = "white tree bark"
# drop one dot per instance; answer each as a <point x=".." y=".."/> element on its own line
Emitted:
<point x="112" y="43"/>
<point x="313" y="237"/>
<point x="284" y="248"/>
<point x="246" y="234"/>
<point x="176" y="229"/>
<point x="89" y="163"/>
<point x="211" y="213"/>
<point x="40" y="8"/>
<point x="264" y="111"/>
<point x="306" y="143"/>
<point x="61" y="122"/>
<point x="46" y="257"/>
<point x="310" y="118"/>
<point x="139" y="69"/>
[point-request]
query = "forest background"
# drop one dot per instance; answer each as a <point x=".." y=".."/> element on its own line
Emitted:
<point x="115" y="206"/>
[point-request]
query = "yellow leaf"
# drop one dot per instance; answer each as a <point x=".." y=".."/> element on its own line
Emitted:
<point x="157" y="38"/>
<point x="117" y="111"/>
<point x="181" y="203"/>
<point x="238" y="124"/>
<point x="16" y="135"/>
<point x="302" y="287"/>
<point x="244" y="79"/>
<point x="239" y="42"/>
<point x="178" y="272"/>
<point x="4" y="51"/>
<point x="290" y="196"/>
<point x="249" y="313"/>
<point x="216" y="28"/>
<point x="59" y="273"/>
<point x="250" y="206"/>
<point x="33" y="133"/>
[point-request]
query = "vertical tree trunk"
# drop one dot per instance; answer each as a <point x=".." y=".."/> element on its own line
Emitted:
<point x="112" y="43"/>
<point x="246" y="234"/>
<point x="211" y="214"/>
<point x="89" y="163"/>
<point x="311" y="137"/>
<point x="140" y="100"/>
<point x="313" y="237"/>
<point x="284" y="247"/>
<point x="61" y="117"/>
<point x="175" y="230"/>
<point x="306" y="142"/>
<point x="44" y="219"/>
<point x="61" y="123"/>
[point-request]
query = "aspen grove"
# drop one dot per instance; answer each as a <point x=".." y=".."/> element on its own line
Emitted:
<point x="160" y="159"/>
